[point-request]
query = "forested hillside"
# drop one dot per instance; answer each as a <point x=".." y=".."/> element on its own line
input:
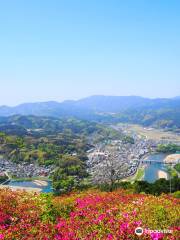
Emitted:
<point x="163" y="113"/>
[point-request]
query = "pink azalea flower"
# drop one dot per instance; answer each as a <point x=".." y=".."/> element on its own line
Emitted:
<point x="110" y="237"/>
<point x="156" y="236"/>
<point x="1" y="236"/>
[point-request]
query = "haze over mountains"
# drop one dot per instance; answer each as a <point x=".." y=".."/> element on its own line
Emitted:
<point x="97" y="103"/>
<point x="160" y="112"/>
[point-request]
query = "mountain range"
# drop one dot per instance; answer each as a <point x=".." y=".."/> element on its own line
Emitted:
<point x="146" y="111"/>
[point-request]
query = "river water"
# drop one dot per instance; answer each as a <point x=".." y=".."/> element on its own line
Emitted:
<point x="151" y="170"/>
<point x="31" y="184"/>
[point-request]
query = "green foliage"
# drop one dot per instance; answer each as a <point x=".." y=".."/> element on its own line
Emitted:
<point x="3" y="178"/>
<point x="158" y="187"/>
<point x="168" y="148"/>
<point x="172" y="172"/>
<point x="128" y="139"/>
<point x="161" y="213"/>
<point x="177" y="167"/>
<point x="109" y="188"/>
<point x="52" y="138"/>
<point x="69" y="174"/>
<point x="176" y="194"/>
<point x="49" y="212"/>
<point x="64" y="184"/>
<point x="142" y="186"/>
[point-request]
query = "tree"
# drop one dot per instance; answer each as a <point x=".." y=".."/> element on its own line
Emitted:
<point x="63" y="183"/>
<point x="69" y="174"/>
<point x="168" y="148"/>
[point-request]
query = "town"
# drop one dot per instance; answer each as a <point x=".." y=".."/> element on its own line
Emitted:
<point x="123" y="156"/>
<point x="23" y="170"/>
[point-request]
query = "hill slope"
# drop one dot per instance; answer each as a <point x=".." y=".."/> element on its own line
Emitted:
<point x="133" y="109"/>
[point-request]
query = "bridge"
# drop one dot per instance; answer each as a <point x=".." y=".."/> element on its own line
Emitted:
<point x="158" y="162"/>
<point x="154" y="162"/>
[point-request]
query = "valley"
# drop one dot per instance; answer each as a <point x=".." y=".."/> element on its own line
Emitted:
<point x="79" y="152"/>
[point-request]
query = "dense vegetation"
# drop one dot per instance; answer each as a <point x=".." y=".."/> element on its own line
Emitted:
<point x="45" y="139"/>
<point x="177" y="167"/>
<point x="3" y="178"/>
<point x="42" y="126"/>
<point x="87" y="215"/>
<point x="166" y="118"/>
<point x="42" y="150"/>
<point x="128" y="139"/>
<point x="156" y="188"/>
<point x="69" y="175"/>
<point x="168" y="148"/>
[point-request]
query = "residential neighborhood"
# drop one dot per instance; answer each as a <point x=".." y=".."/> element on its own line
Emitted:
<point x="23" y="170"/>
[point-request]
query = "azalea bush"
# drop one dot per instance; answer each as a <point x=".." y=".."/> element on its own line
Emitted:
<point x="87" y="215"/>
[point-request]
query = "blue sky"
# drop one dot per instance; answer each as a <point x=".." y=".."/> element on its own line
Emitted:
<point x="69" y="49"/>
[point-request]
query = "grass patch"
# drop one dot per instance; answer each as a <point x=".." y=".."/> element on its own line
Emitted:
<point x="140" y="173"/>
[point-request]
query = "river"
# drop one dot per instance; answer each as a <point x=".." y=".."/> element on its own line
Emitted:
<point x="151" y="170"/>
<point x="31" y="184"/>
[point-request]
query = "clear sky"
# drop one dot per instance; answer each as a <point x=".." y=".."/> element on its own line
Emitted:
<point x="69" y="49"/>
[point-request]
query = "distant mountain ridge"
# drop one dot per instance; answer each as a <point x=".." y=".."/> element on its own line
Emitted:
<point x="133" y="109"/>
<point x="95" y="103"/>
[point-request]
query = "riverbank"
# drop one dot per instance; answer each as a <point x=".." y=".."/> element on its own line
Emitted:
<point x="172" y="158"/>
<point x="137" y="176"/>
<point x="40" y="183"/>
<point x="162" y="174"/>
<point x="15" y="188"/>
<point x="35" y="186"/>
